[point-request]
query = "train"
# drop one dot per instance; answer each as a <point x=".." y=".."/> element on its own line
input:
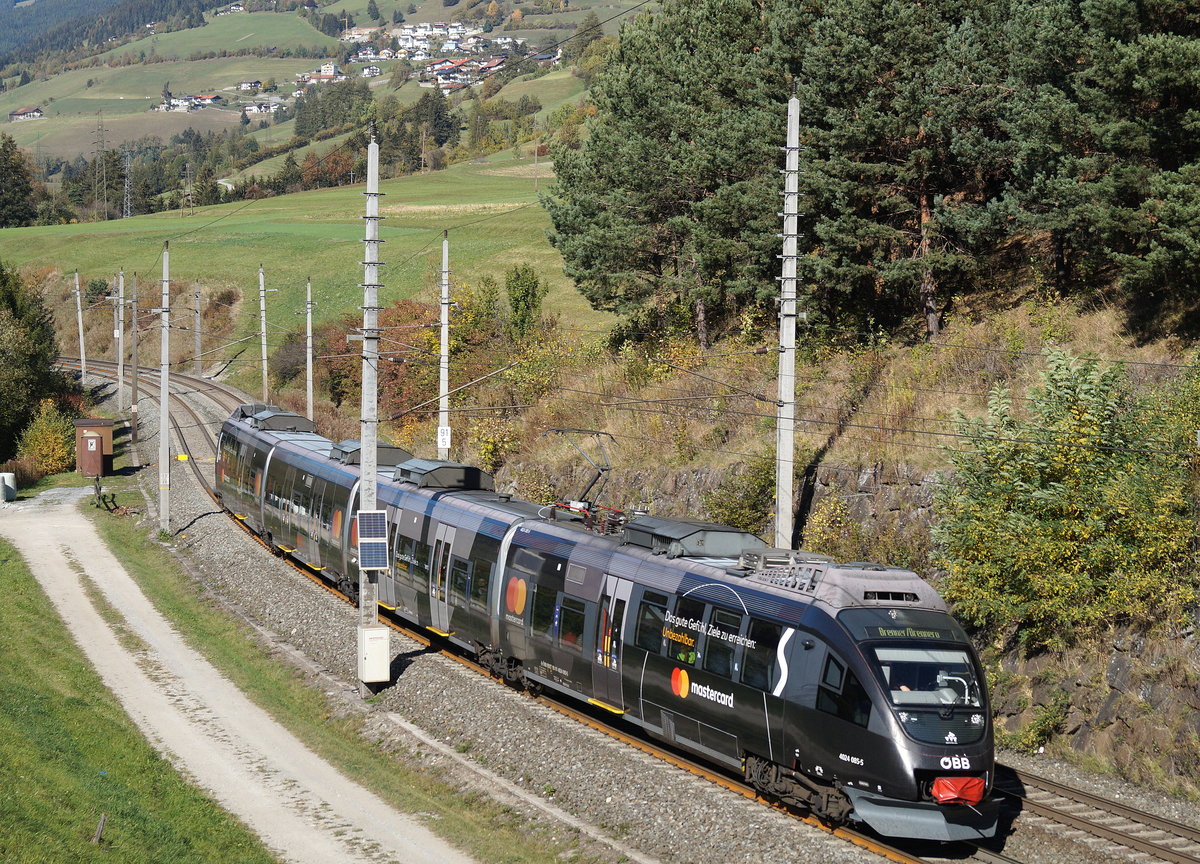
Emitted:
<point x="844" y="689"/>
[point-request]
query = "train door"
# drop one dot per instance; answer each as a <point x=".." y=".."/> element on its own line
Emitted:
<point x="439" y="605"/>
<point x="606" y="669"/>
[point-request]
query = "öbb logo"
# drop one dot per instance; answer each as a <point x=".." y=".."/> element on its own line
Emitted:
<point x="679" y="683"/>
<point x="515" y="595"/>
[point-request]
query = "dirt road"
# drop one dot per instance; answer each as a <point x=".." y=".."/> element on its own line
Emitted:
<point x="300" y="805"/>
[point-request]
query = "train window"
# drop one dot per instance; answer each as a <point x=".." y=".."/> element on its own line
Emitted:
<point x="686" y="626"/>
<point x="545" y="569"/>
<point x="833" y="674"/>
<point x="920" y="675"/>
<point x="576" y="574"/>
<point x="420" y="563"/>
<point x="570" y="624"/>
<point x="842" y="695"/>
<point x="460" y="575"/>
<point x="545" y="600"/>
<point x="404" y="558"/>
<point x="759" y="667"/>
<point x="651" y="622"/>
<point x="720" y="643"/>
<point x="479" y="584"/>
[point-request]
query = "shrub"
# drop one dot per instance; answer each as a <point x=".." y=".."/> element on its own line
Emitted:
<point x="494" y="438"/>
<point x="24" y="469"/>
<point x="831" y="530"/>
<point x="745" y="499"/>
<point x="1055" y="525"/>
<point x="49" y="440"/>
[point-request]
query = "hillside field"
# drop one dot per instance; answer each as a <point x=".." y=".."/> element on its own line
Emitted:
<point x="489" y="208"/>
<point x="126" y="94"/>
<point x="230" y="33"/>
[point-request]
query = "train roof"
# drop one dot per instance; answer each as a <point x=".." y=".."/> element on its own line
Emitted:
<point x="349" y="452"/>
<point x="689" y="538"/>
<point x="854" y="584"/>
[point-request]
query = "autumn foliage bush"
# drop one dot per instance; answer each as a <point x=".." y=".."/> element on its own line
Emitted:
<point x="1080" y="515"/>
<point x="49" y="441"/>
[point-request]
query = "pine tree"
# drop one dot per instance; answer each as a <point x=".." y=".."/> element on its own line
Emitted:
<point x="903" y="106"/>
<point x="207" y="191"/>
<point x="670" y="201"/>
<point x="289" y="174"/>
<point x="16" y="185"/>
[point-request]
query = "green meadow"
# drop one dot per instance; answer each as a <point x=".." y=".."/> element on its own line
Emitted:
<point x="489" y="208"/>
<point x="69" y="753"/>
<point x="230" y="33"/>
<point x="553" y="90"/>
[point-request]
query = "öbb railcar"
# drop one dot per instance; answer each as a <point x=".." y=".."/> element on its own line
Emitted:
<point x="846" y="689"/>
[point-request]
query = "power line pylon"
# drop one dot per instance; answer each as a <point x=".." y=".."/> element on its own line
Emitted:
<point x="127" y="206"/>
<point x="100" y="166"/>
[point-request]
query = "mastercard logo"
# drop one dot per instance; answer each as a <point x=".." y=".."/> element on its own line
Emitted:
<point x="515" y="595"/>
<point x="679" y="683"/>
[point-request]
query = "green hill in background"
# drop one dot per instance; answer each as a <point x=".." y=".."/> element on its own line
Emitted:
<point x="490" y="210"/>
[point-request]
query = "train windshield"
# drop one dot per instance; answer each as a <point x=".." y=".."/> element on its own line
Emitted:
<point x="928" y="676"/>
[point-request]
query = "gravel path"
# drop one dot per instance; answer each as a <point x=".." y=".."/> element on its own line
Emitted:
<point x="300" y="805"/>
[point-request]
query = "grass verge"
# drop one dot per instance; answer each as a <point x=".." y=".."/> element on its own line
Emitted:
<point x="69" y="753"/>
<point x="486" y="830"/>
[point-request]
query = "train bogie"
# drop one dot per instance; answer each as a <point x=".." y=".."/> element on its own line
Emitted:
<point x="846" y="689"/>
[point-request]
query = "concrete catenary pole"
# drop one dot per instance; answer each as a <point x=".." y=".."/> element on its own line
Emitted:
<point x="79" y="321"/>
<point x="164" y="384"/>
<point x="262" y="327"/>
<point x="444" y="355"/>
<point x="785" y="424"/>
<point x="121" y="341"/>
<point x="133" y="359"/>
<point x="196" y="342"/>
<point x="308" y="351"/>
<point x="369" y="629"/>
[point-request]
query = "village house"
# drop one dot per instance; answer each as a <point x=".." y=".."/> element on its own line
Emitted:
<point x="25" y="114"/>
<point x="371" y="72"/>
<point x="250" y="85"/>
<point x="207" y="99"/>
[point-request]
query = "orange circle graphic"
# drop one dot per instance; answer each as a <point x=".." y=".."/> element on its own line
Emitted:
<point x="515" y="594"/>
<point x="679" y="683"/>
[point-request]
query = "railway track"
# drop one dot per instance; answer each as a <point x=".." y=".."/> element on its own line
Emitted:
<point x="1130" y="833"/>
<point x="1126" y="829"/>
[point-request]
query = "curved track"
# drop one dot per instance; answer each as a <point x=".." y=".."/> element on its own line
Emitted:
<point x="1124" y="827"/>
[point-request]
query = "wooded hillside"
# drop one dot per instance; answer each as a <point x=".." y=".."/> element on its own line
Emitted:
<point x="940" y="140"/>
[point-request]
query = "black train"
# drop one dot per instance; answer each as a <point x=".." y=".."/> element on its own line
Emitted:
<point x="844" y="688"/>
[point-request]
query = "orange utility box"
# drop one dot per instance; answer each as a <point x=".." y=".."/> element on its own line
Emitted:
<point x="94" y="447"/>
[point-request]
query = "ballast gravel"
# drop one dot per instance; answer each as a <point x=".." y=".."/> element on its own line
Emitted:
<point x="569" y="781"/>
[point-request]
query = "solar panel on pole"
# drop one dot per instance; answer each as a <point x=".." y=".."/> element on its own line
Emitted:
<point x="372" y="540"/>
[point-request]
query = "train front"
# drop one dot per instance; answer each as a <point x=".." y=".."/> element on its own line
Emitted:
<point x="928" y="679"/>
